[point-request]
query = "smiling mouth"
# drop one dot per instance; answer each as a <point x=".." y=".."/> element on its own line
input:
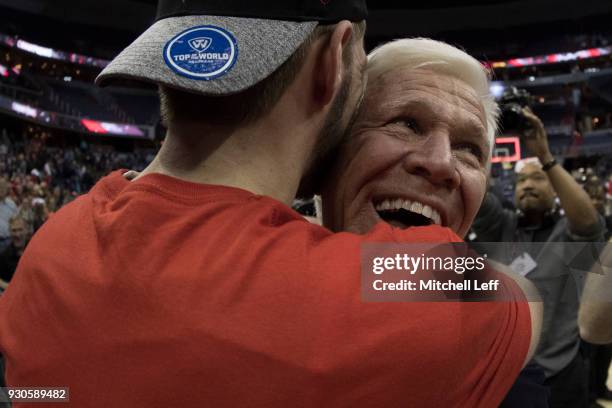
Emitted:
<point x="405" y="213"/>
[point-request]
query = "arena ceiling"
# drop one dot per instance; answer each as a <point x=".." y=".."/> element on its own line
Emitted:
<point x="388" y="17"/>
<point x="489" y="29"/>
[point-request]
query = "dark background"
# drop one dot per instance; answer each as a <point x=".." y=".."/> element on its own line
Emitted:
<point x="488" y="29"/>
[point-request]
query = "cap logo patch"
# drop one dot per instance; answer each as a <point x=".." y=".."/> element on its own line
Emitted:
<point x="200" y="44"/>
<point x="202" y="53"/>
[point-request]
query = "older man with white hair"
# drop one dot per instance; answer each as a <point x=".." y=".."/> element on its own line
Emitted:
<point x="424" y="134"/>
<point x="419" y="154"/>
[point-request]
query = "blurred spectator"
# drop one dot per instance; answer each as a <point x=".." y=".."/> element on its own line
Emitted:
<point x="9" y="258"/>
<point x="539" y="183"/>
<point x="40" y="213"/>
<point x="7" y="210"/>
<point x="595" y="317"/>
<point x="609" y="185"/>
<point x="601" y="355"/>
<point x="597" y="193"/>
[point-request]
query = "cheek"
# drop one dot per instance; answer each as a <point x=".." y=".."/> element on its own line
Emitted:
<point x="373" y="153"/>
<point x="518" y="189"/>
<point x="377" y="152"/>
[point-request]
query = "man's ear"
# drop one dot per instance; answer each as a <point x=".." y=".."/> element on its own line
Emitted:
<point x="330" y="70"/>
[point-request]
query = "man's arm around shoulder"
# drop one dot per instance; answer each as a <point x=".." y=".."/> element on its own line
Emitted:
<point x="536" y="308"/>
<point x="595" y="315"/>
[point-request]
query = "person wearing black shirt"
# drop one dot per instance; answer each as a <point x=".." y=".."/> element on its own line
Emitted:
<point x="540" y="181"/>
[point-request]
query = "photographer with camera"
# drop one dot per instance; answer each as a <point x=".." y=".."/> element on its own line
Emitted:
<point x="539" y="182"/>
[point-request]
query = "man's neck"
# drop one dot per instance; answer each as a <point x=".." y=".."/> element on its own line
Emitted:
<point x="264" y="159"/>
<point x="534" y="218"/>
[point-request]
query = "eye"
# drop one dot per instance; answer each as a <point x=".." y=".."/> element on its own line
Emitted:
<point x="538" y="177"/>
<point x="471" y="148"/>
<point x="407" y="123"/>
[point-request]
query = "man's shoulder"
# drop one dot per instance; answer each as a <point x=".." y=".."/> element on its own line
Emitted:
<point x="66" y="225"/>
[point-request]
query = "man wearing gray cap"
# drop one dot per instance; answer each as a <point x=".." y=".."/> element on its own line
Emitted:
<point x="246" y="66"/>
<point x="194" y="284"/>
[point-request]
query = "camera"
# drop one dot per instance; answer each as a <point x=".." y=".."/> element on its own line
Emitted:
<point x="511" y="104"/>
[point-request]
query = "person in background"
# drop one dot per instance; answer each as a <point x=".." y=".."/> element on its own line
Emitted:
<point x="595" y="320"/>
<point x="595" y="317"/>
<point x="540" y="181"/>
<point x="597" y="193"/>
<point x="601" y="355"/>
<point x="8" y="209"/>
<point x="9" y="258"/>
<point x="609" y="187"/>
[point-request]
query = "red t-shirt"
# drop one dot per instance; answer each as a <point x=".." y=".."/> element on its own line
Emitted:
<point x="165" y="293"/>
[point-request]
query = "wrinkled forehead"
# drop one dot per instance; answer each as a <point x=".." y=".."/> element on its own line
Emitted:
<point x="403" y="85"/>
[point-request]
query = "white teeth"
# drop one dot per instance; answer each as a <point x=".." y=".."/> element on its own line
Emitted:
<point x="427" y="210"/>
<point x="436" y="218"/>
<point x="415" y="207"/>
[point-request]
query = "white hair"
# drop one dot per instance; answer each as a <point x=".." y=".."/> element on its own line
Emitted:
<point x="441" y="58"/>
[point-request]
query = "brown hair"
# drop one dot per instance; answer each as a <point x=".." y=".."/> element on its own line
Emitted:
<point x="251" y="104"/>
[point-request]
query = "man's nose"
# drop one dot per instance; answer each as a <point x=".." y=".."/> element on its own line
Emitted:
<point x="434" y="160"/>
<point x="527" y="185"/>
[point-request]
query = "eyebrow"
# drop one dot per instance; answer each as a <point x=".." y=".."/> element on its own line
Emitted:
<point x="422" y="105"/>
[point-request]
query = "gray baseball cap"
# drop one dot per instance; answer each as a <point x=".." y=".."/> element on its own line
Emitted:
<point x="222" y="47"/>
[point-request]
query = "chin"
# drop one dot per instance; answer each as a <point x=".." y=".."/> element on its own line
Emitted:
<point x="362" y="222"/>
<point x="362" y="226"/>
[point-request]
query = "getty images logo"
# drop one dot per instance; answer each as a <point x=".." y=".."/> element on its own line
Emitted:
<point x="200" y="44"/>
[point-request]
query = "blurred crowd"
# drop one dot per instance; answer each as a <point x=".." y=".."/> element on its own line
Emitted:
<point x="37" y="179"/>
<point x="599" y="190"/>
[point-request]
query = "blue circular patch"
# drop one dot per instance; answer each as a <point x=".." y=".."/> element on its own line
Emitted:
<point x="203" y="52"/>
